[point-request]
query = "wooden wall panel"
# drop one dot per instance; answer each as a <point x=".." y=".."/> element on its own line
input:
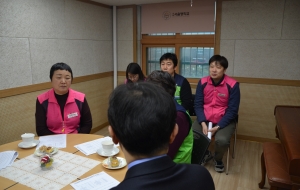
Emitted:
<point x="121" y="79"/>
<point x="17" y="116"/>
<point x="257" y="107"/>
<point x="97" y="94"/>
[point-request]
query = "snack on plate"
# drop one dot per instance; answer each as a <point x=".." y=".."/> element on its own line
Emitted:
<point x="43" y="148"/>
<point x="49" y="149"/>
<point x="114" y="162"/>
<point x="46" y="161"/>
<point x="46" y="149"/>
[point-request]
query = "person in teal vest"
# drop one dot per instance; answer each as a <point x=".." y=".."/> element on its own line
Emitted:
<point x="181" y="148"/>
<point x="183" y="94"/>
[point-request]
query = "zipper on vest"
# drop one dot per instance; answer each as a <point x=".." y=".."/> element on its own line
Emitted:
<point x="63" y="129"/>
<point x="214" y="102"/>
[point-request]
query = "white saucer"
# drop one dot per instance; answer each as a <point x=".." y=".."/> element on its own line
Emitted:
<point x="122" y="161"/>
<point x="25" y="145"/>
<point x="114" y="152"/>
<point x="39" y="153"/>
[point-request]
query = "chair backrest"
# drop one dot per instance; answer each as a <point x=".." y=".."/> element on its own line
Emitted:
<point x="192" y="110"/>
<point x="201" y="144"/>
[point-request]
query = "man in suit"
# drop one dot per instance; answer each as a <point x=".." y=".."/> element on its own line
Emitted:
<point x="142" y="120"/>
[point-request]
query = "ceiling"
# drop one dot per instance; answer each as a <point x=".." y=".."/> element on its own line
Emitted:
<point x="133" y="2"/>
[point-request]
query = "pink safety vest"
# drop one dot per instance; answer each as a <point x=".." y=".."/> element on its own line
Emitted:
<point x="216" y="98"/>
<point x="71" y="120"/>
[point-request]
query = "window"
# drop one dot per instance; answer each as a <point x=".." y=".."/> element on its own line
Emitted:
<point x="193" y="52"/>
<point x="198" y="33"/>
<point x="194" y="61"/>
<point x="162" y="34"/>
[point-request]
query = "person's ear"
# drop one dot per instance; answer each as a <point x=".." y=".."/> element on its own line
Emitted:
<point x="174" y="133"/>
<point x="112" y="134"/>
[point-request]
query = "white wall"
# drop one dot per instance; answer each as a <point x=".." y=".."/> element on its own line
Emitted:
<point x="124" y="37"/>
<point x="261" y="38"/>
<point x="35" y="34"/>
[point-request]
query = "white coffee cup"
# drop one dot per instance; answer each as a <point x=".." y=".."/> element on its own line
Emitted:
<point x="107" y="146"/>
<point x="28" y="138"/>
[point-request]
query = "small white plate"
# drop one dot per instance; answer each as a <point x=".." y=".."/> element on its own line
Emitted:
<point x="39" y="153"/>
<point x="114" y="152"/>
<point x="122" y="161"/>
<point x="25" y="145"/>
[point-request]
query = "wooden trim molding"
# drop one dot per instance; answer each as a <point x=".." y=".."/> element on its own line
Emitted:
<point x="24" y="89"/>
<point x="193" y="80"/>
<point x="46" y="85"/>
<point x="193" y="85"/>
<point x="92" y="77"/>
<point x="121" y="73"/>
<point x="178" y="36"/>
<point x="197" y="40"/>
<point x="95" y="129"/>
<point x="279" y="82"/>
<point x="144" y="59"/>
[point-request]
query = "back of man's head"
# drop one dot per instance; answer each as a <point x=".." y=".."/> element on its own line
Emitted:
<point x="142" y="116"/>
<point x="163" y="79"/>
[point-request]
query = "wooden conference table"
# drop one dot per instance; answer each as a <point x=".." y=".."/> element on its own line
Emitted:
<point x="72" y="140"/>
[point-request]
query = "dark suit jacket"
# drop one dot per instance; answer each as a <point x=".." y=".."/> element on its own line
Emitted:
<point x="163" y="173"/>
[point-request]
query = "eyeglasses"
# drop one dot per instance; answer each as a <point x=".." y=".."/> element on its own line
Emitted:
<point x="133" y="76"/>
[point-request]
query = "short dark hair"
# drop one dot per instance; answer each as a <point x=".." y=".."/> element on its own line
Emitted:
<point x="171" y="56"/>
<point x="163" y="79"/>
<point x="135" y="68"/>
<point x="142" y="116"/>
<point x="220" y="60"/>
<point x="60" y="66"/>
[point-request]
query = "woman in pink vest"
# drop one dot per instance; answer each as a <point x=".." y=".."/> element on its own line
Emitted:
<point x="134" y="73"/>
<point x="62" y="110"/>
